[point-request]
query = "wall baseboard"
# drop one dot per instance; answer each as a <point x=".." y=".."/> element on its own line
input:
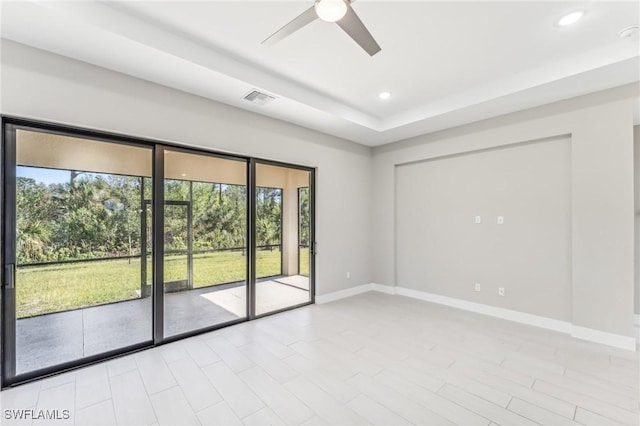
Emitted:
<point x="610" y="339"/>
<point x="384" y="288"/>
<point x="494" y="311"/>
<point x="341" y="294"/>
<point x="596" y="336"/>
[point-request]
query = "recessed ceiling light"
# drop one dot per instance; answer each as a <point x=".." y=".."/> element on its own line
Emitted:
<point x="571" y="18"/>
<point x="183" y="175"/>
<point x="384" y="95"/>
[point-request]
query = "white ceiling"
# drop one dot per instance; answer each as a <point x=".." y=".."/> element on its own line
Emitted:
<point x="446" y="63"/>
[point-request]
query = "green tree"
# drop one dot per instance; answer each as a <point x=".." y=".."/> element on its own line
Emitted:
<point x="219" y="215"/>
<point x="99" y="215"/>
<point x="268" y="216"/>
<point x="304" y="210"/>
<point x="35" y="210"/>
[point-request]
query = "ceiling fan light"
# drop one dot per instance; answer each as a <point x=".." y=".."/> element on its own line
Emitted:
<point x="331" y="10"/>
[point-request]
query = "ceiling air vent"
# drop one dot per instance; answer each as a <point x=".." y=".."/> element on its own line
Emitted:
<point x="259" y="98"/>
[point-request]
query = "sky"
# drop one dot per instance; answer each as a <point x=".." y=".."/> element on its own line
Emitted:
<point x="46" y="176"/>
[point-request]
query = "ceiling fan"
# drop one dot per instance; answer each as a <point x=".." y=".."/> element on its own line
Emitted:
<point x="338" y="11"/>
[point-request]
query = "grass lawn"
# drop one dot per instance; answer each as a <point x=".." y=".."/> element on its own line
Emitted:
<point x="304" y="261"/>
<point x="52" y="288"/>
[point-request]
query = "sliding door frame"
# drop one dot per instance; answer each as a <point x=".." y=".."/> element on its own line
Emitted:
<point x="312" y="236"/>
<point x="8" y="255"/>
<point x="9" y="125"/>
<point x="8" y="356"/>
<point x="160" y="336"/>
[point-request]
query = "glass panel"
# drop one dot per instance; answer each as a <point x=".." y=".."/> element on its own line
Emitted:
<point x="219" y="212"/>
<point x="80" y="279"/>
<point x="147" y="246"/>
<point x="176" y="247"/>
<point x="304" y="230"/>
<point x="282" y="237"/>
<point x="268" y="232"/>
<point x="205" y="241"/>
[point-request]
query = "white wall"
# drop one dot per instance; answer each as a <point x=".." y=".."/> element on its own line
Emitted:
<point x="440" y="249"/>
<point x="40" y="85"/>
<point x="636" y="169"/>
<point x="602" y="207"/>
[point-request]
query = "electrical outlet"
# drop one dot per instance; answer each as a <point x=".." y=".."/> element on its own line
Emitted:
<point x="477" y="286"/>
<point x="348" y="275"/>
<point x="500" y="220"/>
<point x="478" y="219"/>
<point x="501" y="291"/>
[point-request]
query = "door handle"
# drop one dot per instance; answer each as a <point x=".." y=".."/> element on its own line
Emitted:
<point x="314" y="248"/>
<point x="9" y="276"/>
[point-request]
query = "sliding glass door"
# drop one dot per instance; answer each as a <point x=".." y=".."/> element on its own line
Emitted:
<point x="74" y="236"/>
<point x="111" y="244"/>
<point x="282" y="232"/>
<point x="205" y="241"/>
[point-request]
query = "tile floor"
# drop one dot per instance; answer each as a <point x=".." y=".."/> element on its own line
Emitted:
<point x="369" y="359"/>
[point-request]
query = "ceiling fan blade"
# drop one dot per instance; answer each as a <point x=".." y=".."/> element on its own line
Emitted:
<point x="353" y="26"/>
<point x="303" y="19"/>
